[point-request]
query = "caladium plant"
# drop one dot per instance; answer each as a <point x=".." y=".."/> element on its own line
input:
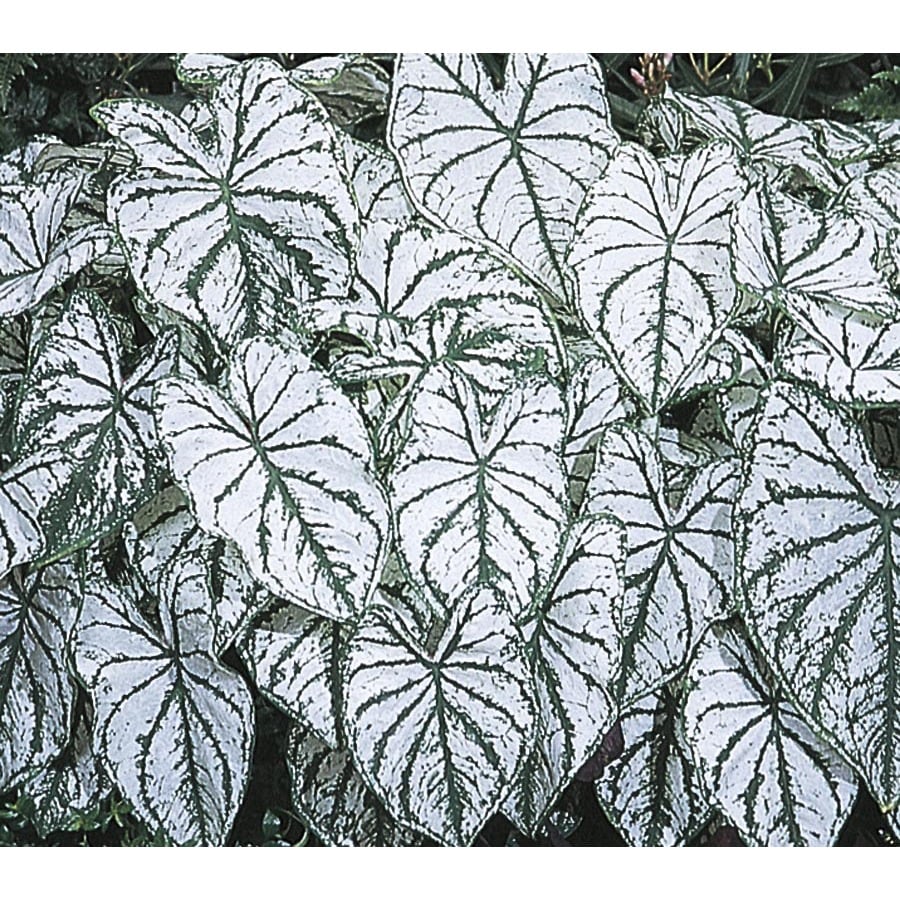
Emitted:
<point x="415" y="405"/>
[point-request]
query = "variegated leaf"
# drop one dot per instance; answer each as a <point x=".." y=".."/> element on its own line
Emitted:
<point x="292" y="656"/>
<point x="17" y="166"/>
<point x="652" y="261"/>
<point x="173" y="727"/>
<point x="281" y="467"/>
<point x="774" y="144"/>
<point x="574" y="646"/>
<point x="37" y="612"/>
<point x="350" y="86"/>
<point x="852" y="357"/>
<point x="799" y="258"/>
<point x="760" y="763"/>
<point x="679" y="561"/>
<point x="595" y="399"/>
<point x="333" y="800"/>
<point x="167" y="539"/>
<point x="440" y="732"/>
<point x="77" y="401"/>
<point x="651" y="792"/>
<point x="25" y="491"/>
<point x="36" y="254"/>
<point x="478" y="501"/>
<point x="238" y="233"/>
<point x="509" y="166"/>
<point x="817" y="549"/>
<point x="67" y="788"/>
<point x="377" y="183"/>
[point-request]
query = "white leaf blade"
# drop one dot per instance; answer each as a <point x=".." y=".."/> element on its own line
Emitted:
<point x="459" y="718"/>
<point x="760" y="763"/>
<point x="465" y="149"/>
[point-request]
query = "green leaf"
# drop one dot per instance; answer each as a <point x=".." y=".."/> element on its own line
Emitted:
<point x="480" y="501"/>
<point x="679" y="565"/>
<point x="37" y="613"/>
<point x="760" y="763"/>
<point x="282" y="467"/>
<point x="651" y="792"/>
<point x="508" y="167"/>
<point x="333" y="800"/>
<point x="237" y="234"/>
<point x="817" y="547"/>
<point x="173" y="727"/>
<point x="440" y="734"/>
<point x="651" y="257"/>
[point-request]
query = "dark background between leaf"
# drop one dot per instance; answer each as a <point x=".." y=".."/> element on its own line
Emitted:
<point x="52" y="94"/>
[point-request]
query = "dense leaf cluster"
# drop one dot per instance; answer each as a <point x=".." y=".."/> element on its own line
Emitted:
<point x="505" y="455"/>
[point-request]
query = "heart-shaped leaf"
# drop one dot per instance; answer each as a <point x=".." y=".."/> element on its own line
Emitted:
<point x="508" y="166"/>
<point x="760" y="763"/>
<point x="37" y="612"/>
<point x="652" y="261"/>
<point x="818" y="547"/>
<point x="679" y="564"/>
<point x="440" y="733"/>
<point x="479" y="501"/>
<point x="282" y="468"/>
<point x="237" y="233"/>
<point x="173" y="726"/>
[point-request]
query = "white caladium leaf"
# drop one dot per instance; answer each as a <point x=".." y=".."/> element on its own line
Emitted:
<point x="377" y="183"/>
<point x="18" y="165"/>
<point x="37" y="613"/>
<point x="69" y="787"/>
<point x="652" y="262"/>
<point x="818" y="549"/>
<point x="651" y="792"/>
<point x="350" y="86"/>
<point x="508" y="166"/>
<point x="292" y="656"/>
<point x="168" y="543"/>
<point x="36" y="255"/>
<point x="760" y="763"/>
<point x="595" y="399"/>
<point x="875" y="196"/>
<point x="679" y="564"/>
<point x="574" y="646"/>
<point x="729" y="412"/>
<point x="238" y="234"/>
<point x="334" y="802"/>
<point x="440" y="733"/>
<point x="407" y="270"/>
<point x="76" y="400"/>
<point x="773" y="144"/>
<point x="480" y="502"/>
<point x="797" y="257"/>
<point x="173" y="727"/>
<point x="25" y="491"/>
<point x="853" y="357"/>
<point x="283" y="468"/>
